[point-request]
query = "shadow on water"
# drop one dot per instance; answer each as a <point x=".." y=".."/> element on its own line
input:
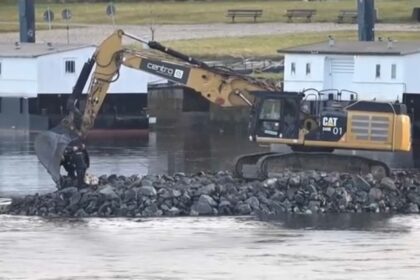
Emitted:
<point x="353" y="222"/>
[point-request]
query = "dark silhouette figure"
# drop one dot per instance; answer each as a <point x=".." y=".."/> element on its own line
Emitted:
<point x="76" y="161"/>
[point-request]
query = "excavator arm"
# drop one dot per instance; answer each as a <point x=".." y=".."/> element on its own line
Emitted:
<point x="219" y="85"/>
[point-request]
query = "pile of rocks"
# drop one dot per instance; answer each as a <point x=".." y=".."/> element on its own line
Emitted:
<point x="221" y="194"/>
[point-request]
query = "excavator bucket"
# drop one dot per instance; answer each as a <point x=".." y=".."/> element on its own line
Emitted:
<point x="49" y="148"/>
<point x="50" y="145"/>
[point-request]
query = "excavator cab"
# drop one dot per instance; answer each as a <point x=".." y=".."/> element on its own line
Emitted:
<point x="276" y="115"/>
<point x="295" y="117"/>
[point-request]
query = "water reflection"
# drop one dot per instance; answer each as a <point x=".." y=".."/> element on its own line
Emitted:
<point x="187" y="149"/>
<point x="163" y="151"/>
<point x="358" y="222"/>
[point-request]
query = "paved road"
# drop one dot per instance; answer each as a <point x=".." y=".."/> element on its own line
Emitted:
<point x="93" y="34"/>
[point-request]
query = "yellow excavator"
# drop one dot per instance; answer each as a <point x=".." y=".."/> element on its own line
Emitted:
<point x="313" y="123"/>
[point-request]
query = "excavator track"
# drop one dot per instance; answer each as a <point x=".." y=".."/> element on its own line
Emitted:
<point x="245" y="165"/>
<point x="267" y="165"/>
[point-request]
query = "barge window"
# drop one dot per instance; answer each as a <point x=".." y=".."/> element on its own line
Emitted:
<point x="308" y="69"/>
<point x="70" y="66"/>
<point x="378" y="71"/>
<point x="21" y="105"/>
<point x="393" y="71"/>
<point x="293" y="68"/>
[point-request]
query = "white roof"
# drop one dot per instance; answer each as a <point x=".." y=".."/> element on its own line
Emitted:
<point x="36" y="49"/>
<point x="358" y="48"/>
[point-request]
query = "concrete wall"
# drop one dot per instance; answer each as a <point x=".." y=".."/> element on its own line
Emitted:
<point x="51" y="74"/>
<point x="229" y="116"/>
<point x="53" y="78"/>
<point x="18" y="77"/>
<point x="412" y="73"/>
<point x="299" y="80"/>
<point x="167" y="105"/>
<point x="13" y="113"/>
<point x="383" y="87"/>
<point x="26" y="77"/>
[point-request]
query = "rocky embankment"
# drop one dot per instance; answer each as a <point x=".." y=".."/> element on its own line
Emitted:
<point x="221" y="194"/>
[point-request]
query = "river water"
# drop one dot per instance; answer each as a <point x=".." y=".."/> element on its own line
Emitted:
<point x="290" y="247"/>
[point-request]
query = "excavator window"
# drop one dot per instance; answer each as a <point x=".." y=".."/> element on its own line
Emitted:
<point x="270" y="109"/>
<point x="269" y="118"/>
<point x="278" y="117"/>
<point x="291" y="119"/>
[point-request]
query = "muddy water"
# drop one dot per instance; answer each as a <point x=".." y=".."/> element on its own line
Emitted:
<point x="328" y="247"/>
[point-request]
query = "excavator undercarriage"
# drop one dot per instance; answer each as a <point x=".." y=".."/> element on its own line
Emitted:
<point x="264" y="165"/>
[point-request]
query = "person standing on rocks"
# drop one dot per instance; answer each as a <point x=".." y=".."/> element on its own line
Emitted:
<point x="76" y="161"/>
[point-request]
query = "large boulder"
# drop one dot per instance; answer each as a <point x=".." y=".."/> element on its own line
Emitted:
<point x="205" y="205"/>
<point x="108" y="192"/>
<point x="388" y="184"/>
<point x="147" y="191"/>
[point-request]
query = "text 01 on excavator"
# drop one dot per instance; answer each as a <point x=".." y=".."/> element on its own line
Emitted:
<point x="313" y="123"/>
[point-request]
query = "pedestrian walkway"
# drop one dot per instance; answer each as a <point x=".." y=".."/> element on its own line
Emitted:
<point x="94" y="34"/>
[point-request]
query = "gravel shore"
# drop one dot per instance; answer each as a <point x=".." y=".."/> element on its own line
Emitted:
<point x="308" y="192"/>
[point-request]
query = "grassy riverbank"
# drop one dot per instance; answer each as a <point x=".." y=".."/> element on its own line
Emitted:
<point x="194" y="12"/>
<point x="266" y="46"/>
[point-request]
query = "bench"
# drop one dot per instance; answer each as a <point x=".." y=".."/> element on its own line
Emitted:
<point x="347" y="14"/>
<point x="244" y="13"/>
<point x="352" y="15"/>
<point x="305" y="13"/>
